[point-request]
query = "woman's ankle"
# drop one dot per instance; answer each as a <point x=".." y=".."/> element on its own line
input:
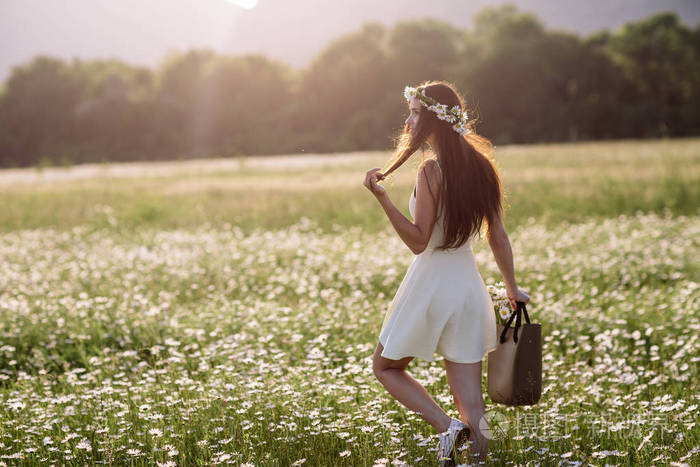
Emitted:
<point x="444" y="424"/>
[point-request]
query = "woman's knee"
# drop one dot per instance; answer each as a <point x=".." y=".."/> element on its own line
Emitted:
<point x="381" y="364"/>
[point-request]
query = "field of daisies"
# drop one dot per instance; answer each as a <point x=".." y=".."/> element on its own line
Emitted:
<point x="225" y="312"/>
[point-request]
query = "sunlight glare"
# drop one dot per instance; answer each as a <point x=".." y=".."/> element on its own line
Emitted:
<point x="247" y="4"/>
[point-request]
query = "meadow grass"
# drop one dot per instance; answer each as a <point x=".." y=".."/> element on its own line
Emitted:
<point x="551" y="183"/>
<point x="143" y="322"/>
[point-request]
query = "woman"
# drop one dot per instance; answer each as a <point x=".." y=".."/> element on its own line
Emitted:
<point x="442" y="305"/>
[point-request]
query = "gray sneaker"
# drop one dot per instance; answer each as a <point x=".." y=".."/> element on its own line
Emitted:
<point x="449" y="441"/>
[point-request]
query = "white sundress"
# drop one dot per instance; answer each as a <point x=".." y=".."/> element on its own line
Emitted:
<point x="442" y="306"/>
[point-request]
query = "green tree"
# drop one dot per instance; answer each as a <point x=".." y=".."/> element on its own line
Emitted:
<point x="506" y="74"/>
<point x="177" y="99"/>
<point x="661" y="58"/>
<point x="241" y="106"/>
<point x="340" y="96"/>
<point x="36" y="103"/>
<point x="114" y="118"/>
<point x="528" y="84"/>
<point x="425" y="49"/>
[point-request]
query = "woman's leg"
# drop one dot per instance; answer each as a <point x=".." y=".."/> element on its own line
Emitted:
<point x="400" y="384"/>
<point x="465" y="383"/>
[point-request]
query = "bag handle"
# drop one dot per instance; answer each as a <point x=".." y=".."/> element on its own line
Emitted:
<point x="520" y="308"/>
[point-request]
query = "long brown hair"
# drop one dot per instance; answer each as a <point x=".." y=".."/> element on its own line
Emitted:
<point x="471" y="186"/>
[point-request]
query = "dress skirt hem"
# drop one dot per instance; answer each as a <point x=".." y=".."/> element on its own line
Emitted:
<point x="434" y="357"/>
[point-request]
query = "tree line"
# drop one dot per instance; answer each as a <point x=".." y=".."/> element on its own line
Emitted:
<point x="523" y="82"/>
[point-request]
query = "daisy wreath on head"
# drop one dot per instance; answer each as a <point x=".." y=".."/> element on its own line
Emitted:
<point x="454" y="115"/>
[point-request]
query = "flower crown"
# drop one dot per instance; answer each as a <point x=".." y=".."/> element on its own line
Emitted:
<point x="455" y="114"/>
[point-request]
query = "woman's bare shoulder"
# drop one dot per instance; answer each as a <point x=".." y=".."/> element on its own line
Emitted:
<point x="430" y="169"/>
<point x="430" y="160"/>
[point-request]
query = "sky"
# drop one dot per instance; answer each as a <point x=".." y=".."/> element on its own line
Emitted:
<point x="142" y="32"/>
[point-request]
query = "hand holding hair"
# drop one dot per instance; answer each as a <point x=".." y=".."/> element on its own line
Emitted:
<point x="371" y="182"/>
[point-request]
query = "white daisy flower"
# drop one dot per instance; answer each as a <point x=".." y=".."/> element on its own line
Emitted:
<point x="504" y="312"/>
<point x="84" y="444"/>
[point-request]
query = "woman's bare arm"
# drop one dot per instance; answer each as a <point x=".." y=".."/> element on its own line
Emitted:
<point x="416" y="235"/>
<point x="409" y="232"/>
<point x="502" y="251"/>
